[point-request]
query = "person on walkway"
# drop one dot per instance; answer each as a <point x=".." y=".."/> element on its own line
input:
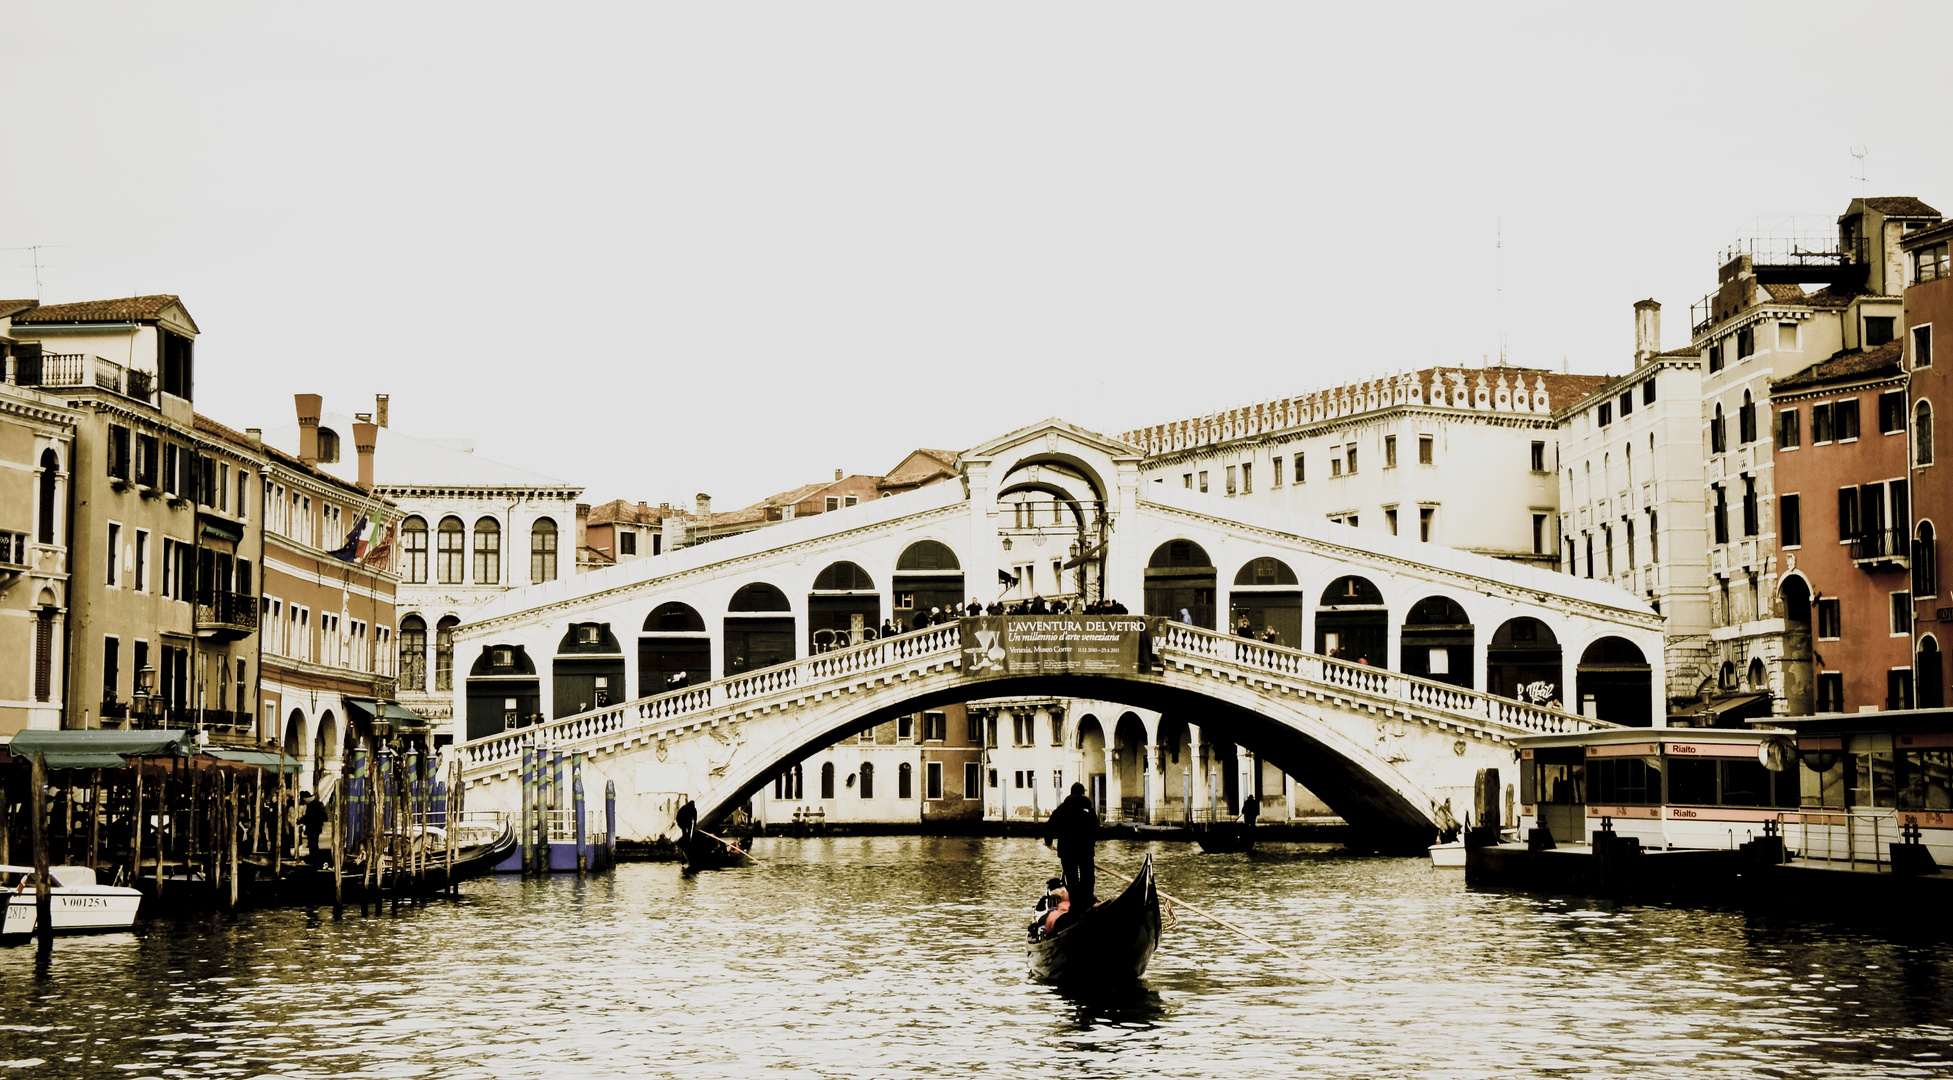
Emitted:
<point x="312" y="818"/>
<point x="1250" y="809"/>
<point x="1075" y="828"/>
<point x="888" y="628"/>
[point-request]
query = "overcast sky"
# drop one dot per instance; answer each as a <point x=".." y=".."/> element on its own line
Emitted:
<point x="659" y="249"/>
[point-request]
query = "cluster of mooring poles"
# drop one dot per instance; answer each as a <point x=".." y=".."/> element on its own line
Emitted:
<point x="393" y="804"/>
<point x="553" y="821"/>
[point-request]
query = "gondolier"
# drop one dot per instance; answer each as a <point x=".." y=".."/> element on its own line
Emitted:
<point x="1075" y="828"/>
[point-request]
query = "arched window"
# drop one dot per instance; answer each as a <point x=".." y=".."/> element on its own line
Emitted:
<point x="444" y="654"/>
<point x="488" y="552"/>
<point x="1922" y="433"/>
<point x="1925" y="563"/>
<point x="542" y="550"/>
<point x="413" y="550"/>
<point x="1746" y="419"/>
<point x="827" y="780"/>
<point x="904" y="782"/>
<point x="328" y="446"/>
<point x="1718" y="441"/>
<point x="50" y="469"/>
<point x="453" y="550"/>
<point x="867" y="780"/>
<point x="413" y="650"/>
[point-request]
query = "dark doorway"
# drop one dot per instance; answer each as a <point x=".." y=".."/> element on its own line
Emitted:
<point x="1437" y="642"/>
<point x="1524" y="661"/>
<point x="1180" y="583"/>
<point x="674" y="642"/>
<point x="588" y="672"/>
<point x="759" y="629"/>
<point x="844" y="609"/>
<point x="1616" y="683"/>
<point x="1926" y="668"/>
<point x="503" y="691"/>
<point x="1352" y="623"/>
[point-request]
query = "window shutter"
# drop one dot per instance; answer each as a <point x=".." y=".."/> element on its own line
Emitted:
<point x="1847" y="513"/>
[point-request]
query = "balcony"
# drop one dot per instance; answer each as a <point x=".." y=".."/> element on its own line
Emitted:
<point x="226" y="616"/>
<point x="1884" y="549"/>
<point x="13" y="556"/>
<point x="69" y="370"/>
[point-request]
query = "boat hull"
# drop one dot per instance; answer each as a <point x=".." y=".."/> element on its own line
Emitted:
<point x="83" y="910"/>
<point x="1110" y="946"/>
<point x="1224" y="837"/>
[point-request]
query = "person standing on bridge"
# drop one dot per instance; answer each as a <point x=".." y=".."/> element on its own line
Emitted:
<point x="1076" y="829"/>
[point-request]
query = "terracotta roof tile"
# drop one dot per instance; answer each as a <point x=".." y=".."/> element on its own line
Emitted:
<point x="1853" y="365"/>
<point x="127" y="309"/>
<point x="15" y="307"/>
<point x="1900" y="206"/>
<point x="1785" y="292"/>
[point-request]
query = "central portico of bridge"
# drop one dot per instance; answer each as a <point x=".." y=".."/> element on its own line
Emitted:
<point x="1398" y="667"/>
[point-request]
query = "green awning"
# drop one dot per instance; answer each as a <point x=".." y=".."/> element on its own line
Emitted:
<point x="219" y="529"/>
<point x="101" y="749"/>
<point x="389" y="713"/>
<point x="261" y="758"/>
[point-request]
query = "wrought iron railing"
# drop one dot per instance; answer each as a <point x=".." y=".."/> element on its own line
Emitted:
<point x="1881" y="545"/>
<point x="220" y="610"/>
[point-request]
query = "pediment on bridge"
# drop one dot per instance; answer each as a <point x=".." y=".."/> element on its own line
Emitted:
<point x="1052" y="436"/>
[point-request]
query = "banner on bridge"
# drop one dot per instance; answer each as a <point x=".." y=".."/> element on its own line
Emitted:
<point x="1055" y="644"/>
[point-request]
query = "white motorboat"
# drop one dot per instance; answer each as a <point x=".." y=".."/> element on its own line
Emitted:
<point x="79" y="904"/>
<point x="1449" y="856"/>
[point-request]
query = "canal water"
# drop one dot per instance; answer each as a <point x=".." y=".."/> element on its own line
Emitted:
<point x="903" y="957"/>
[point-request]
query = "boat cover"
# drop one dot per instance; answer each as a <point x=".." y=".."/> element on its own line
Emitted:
<point x="101" y="749"/>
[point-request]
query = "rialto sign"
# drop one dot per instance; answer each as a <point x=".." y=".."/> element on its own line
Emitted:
<point x="1054" y="644"/>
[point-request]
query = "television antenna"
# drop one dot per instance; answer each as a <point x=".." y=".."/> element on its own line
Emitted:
<point x="38" y="266"/>
<point x="1498" y="281"/>
<point x="1859" y="154"/>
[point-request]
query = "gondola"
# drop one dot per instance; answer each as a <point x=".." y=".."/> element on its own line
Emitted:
<point x="430" y="873"/>
<point x="1223" y="837"/>
<point x="1109" y="945"/>
<point x="705" y="852"/>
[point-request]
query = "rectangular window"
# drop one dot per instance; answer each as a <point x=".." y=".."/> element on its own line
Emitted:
<point x="1426" y="449"/>
<point x="972" y="780"/>
<point x="1922" y="346"/>
<point x="1352" y="458"/>
<point x="1745" y="342"/>
<point x="1830" y="691"/>
<point x="1425" y="514"/>
<point x="932" y="780"/>
<point x="1715" y="358"/>
<point x="1275" y="470"/>
<point x="1539" y="534"/>
<point x="1627" y="404"/>
<point x="1821" y="423"/>
<point x="1390" y="520"/>
<point x="1247" y="478"/>
<point x="627" y="543"/>
<point x="1721" y="515"/>
<point x="1654" y="537"/>
<point x="1203" y="480"/>
<point x="1648" y="391"/>
<point x="935" y="727"/>
<point x="905" y="729"/>
<point x="1892" y="412"/>
<point x="833" y="503"/>
<point x="1830" y="620"/>
<point x="1299" y="478"/>
<point x="850" y="500"/>
<point x="1605" y="414"/>
<point x="1390" y="451"/>
<point x="1751" y="525"/>
<point x="1929" y="264"/>
<point x="1186" y="481"/>
<point x="142" y="560"/>
<point x="1539" y="456"/>
<point x="146" y="453"/>
<point x="1335" y="467"/>
<point x="1790" y="522"/>
<point x="1844" y="419"/>
<point x="1230" y="480"/>
<point x="1849" y="525"/>
<point x="1901" y="614"/>
<point x="111" y="675"/>
<point x="114" y="551"/>
<point x="1878" y="330"/>
<point x="1790" y="432"/>
<point x="118" y="452"/>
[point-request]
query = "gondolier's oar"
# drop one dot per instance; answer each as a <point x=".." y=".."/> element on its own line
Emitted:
<point x="1217" y="920"/>
<point x="729" y="844"/>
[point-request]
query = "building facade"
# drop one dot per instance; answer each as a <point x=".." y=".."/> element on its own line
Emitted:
<point x="1929" y="327"/>
<point x="37" y="443"/>
<point x="1392" y="454"/>
<point x="1630" y="481"/>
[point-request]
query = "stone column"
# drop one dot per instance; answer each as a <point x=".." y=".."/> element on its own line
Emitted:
<point x="1113" y="792"/>
<point x="1150" y="777"/>
<point x="1196" y="772"/>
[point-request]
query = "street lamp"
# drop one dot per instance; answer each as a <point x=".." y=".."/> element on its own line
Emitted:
<point x="145" y="694"/>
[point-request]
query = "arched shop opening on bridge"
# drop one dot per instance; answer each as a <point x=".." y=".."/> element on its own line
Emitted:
<point x="674" y="642"/>
<point x="589" y="669"/>
<point x="928" y="575"/>
<point x="844" y="609"/>
<point x="1092" y="758"/>
<point x="1267" y="594"/>
<point x="503" y="691"/>
<point x="1615" y="682"/>
<point x="1180" y="583"/>
<point x="1524" y="661"/>
<point x="1437" y="642"/>
<point x="759" y="629"/>
<point x="1352" y="622"/>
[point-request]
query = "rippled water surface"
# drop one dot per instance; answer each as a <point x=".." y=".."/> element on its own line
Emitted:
<point x="903" y="957"/>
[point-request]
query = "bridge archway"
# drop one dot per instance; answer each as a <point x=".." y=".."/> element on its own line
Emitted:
<point x="844" y="609"/>
<point x="588" y="671"/>
<point x="927" y="574"/>
<point x="1267" y="593"/>
<point x="1799" y="673"/>
<point x="1616" y="675"/>
<point x="1180" y="583"/>
<point x="674" y="641"/>
<point x="1525" y="661"/>
<point x="1352" y="622"/>
<point x="1129" y="766"/>
<point x="1437" y="640"/>
<point x="1091" y="750"/>
<point x="325" y="747"/>
<point x="758" y="629"/>
<point x="503" y="691"/>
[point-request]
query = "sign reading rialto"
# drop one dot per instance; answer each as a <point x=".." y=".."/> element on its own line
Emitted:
<point x="1053" y="644"/>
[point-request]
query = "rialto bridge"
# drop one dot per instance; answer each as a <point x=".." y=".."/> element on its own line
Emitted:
<point x="1396" y="668"/>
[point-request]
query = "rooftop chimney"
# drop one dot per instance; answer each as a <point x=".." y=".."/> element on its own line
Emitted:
<point x="256" y="435"/>
<point x="308" y="427"/>
<point x="837" y="474"/>
<point x="704" y="505"/>
<point x="364" y="435"/>
<point x="380" y="409"/>
<point x="1647" y="330"/>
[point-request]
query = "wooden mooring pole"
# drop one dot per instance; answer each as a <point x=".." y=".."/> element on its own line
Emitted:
<point x="43" y="883"/>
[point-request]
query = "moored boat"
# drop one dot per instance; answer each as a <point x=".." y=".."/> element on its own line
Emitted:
<point x="78" y="903"/>
<point x="704" y="852"/>
<point x="1108" y="946"/>
<point x="1449" y="856"/>
<point x="416" y="865"/>
<point x="1223" y="837"/>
